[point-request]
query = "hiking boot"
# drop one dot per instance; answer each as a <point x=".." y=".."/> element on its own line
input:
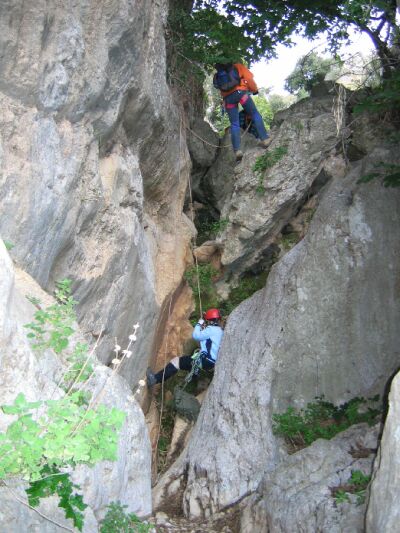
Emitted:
<point x="239" y="155"/>
<point x="266" y="142"/>
<point x="151" y="378"/>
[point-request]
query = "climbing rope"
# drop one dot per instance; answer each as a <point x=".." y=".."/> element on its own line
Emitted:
<point x="218" y="145"/>
<point x="170" y="299"/>
<point x="339" y="114"/>
<point x="196" y="366"/>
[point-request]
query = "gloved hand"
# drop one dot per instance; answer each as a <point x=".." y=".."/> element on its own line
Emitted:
<point x="200" y="321"/>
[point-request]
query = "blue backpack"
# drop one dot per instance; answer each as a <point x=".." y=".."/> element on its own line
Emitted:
<point x="224" y="80"/>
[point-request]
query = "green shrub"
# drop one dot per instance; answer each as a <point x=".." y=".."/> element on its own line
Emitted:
<point x="207" y="228"/>
<point x="54" y="434"/>
<point x="55" y="482"/>
<point x="289" y="240"/>
<point x="118" y="521"/>
<point x="390" y="175"/>
<point x="266" y="161"/>
<point x="269" y="159"/>
<point x="321" y="419"/>
<point x="52" y="328"/>
<point x="248" y="285"/>
<point x="357" y="484"/>
<point x="203" y="276"/>
<point x="46" y="437"/>
<point x="383" y="99"/>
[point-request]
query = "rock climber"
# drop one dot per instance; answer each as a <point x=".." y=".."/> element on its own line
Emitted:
<point x="236" y="83"/>
<point x="209" y="333"/>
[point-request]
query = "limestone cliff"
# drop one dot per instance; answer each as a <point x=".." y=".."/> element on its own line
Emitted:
<point x="95" y="161"/>
<point x="94" y="164"/>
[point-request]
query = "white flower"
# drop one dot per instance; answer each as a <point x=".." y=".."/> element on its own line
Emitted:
<point x="142" y="383"/>
<point x="116" y="361"/>
<point x="132" y="337"/>
<point x="136" y="326"/>
<point x="131" y="399"/>
<point x="127" y="353"/>
<point x="117" y="348"/>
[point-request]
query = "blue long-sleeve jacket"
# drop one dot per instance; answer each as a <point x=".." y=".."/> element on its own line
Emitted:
<point x="209" y="338"/>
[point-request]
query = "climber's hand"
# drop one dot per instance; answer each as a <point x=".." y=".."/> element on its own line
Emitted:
<point x="200" y="322"/>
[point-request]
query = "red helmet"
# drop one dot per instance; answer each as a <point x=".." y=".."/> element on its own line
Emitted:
<point x="212" y="314"/>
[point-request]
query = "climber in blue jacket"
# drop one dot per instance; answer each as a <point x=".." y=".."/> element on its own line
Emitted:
<point x="209" y="333"/>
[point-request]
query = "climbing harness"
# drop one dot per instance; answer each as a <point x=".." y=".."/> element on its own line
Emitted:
<point x="196" y="367"/>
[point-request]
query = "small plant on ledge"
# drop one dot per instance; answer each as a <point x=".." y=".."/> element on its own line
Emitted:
<point x="118" y="521"/>
<point x="321" y="419"/>
<point x="265" y="162"/>
<point x="357" y="485"/>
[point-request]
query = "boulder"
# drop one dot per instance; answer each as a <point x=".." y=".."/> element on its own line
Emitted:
<point x="17" y="517"/>
<point x="297" y="496"/>
<point x="383" y="507"/>
<point x="258" y="204"/>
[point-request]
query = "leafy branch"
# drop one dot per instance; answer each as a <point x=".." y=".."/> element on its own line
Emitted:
<point x="47" y="437"/>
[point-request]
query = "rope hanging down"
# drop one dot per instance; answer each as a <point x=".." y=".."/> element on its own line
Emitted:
<point x="218" y="145"/>
<point x="192" y="240"/>
<point x="170" y="300"/>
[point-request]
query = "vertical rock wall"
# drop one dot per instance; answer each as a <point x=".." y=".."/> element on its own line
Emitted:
<point x="325" y="324"/>
<point x="37" y="376"/>
<point x="93" y="160"/>
<point x="383" y="507"/>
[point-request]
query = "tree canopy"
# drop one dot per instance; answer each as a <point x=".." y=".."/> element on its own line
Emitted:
<point x="229" y="30"/>
<point x="309" y="70"/>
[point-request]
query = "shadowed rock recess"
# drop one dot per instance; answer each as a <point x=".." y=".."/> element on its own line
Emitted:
<point x="95" y="164"/>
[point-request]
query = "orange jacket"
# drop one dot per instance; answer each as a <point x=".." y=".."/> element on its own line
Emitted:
<point x="247" y="82"/>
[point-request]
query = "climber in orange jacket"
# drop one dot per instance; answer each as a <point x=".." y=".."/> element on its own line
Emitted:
<point x="236" y="83"/>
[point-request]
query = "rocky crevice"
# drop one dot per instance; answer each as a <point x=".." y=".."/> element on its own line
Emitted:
<point x="302" y="336"/>
<point x="95" y="162"/>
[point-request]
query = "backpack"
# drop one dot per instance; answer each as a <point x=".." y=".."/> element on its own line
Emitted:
<point x="225" y="80"/>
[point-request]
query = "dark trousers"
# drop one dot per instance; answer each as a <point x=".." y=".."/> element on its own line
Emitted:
<point x="185" y="363"/>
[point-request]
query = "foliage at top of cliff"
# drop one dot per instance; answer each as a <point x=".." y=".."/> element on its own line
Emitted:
<point x="221" y="31"/>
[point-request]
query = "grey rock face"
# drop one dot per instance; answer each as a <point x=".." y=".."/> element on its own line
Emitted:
<point x="326" y="323"/>
<point x="297" y="495"/>
<point x="258" y="208"/>
<point x="36" y="375"/>
<point x="18" y="518"/>
<point x="93" y="163"/>
<point x="19" y="371"/>
<point x="383" y="507"/>
<point x="203" y="144"/>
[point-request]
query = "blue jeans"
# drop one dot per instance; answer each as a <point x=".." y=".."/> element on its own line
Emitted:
<point x="233" y="114"/>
